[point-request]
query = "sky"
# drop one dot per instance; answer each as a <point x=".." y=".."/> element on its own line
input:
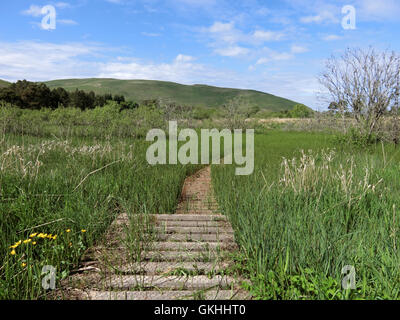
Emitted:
<point x="272" y="46"/>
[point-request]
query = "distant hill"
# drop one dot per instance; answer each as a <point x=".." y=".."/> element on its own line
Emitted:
<point x="4" y="84"/>
<point x="194" y="95"/>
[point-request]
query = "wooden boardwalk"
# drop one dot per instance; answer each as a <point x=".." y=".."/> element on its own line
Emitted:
<point x="186" y="255"/>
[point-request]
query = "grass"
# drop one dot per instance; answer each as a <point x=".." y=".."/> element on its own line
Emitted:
<point x="49" y="186"/>
<point x="197" y="95"/>
<point x="311" y="213"/>
<point x="4" y="83"/>
<point x="311" y="207"/>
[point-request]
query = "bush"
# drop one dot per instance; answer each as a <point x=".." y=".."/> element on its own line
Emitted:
<point x="301" y="111"/>
<point x="356" y="138"/>
<point x="202" y="113"/>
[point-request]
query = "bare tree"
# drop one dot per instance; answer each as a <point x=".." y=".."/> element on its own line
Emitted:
<point x="233" y="117"/>
<point x="365" y="82"/>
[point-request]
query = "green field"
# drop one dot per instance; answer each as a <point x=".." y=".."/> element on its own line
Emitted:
<point x="3" y="83"/>
<point x="52" y="189"/>
<point x="310" y="208"/>
<point x="196" y="95"/>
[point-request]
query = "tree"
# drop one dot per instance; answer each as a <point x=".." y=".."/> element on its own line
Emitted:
<point x="108" y="96"/>
<point x="365" y="82"/>
<point x="119" y="98"/>
<point x="78" y="99"/>
<point x="231" y="110"/>
<point x="29" y="95"/>
<point x="301" y="111"/>
<point x="59" y="97"/>
<point x="249" y="110"/>
<point x="128" y="105"/>
<point x="9" y="95"/>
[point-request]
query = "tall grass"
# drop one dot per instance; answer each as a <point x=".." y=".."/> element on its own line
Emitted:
<point x="58" y="196"/>
<point x="304" y="215"/>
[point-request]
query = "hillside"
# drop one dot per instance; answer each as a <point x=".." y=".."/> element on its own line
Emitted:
<point x="4" y="83"/>
<point x="195" y="95"/>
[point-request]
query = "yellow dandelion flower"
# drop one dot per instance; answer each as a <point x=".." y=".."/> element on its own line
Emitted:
<point x="83" y="230"/>
<point x="68" y="230"/>
<point x="55" y="237"/>
<point x="41" y="235"/>
<point x="13" y="252"/>
<point x="33" y="235"/>
<point x="16" y="245"/>
<point x="23" y="264"/>
<point x="34" y="242"/>
<point x="27" y="241"/>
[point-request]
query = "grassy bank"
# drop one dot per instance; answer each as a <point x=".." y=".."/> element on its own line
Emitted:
<point x="303" y="216"/>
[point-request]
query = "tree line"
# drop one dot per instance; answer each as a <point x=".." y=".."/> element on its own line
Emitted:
<point x="31" y="95"/>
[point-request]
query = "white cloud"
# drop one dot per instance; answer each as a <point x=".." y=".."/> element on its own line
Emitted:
<point x="264" y="36"/>
<point x="43" y="61"/>
<point x="272" y="55"/>
<point x="223" y="33"/>
<point x="228" y="41"/>
<point x="62" y="5"/>
<point x="372" y="10"/>
<point x="331" y="37"/>
<point x="39" y="61"/>
<point x="228" y="33"/>
<point x="182" y="70"/>
<point x="232" y="51"/>
<point x="324" y="16"/>
<point x="263" y="61"/>
<point x="221" y="27"/>
<point x="67" y="22"/>
<point x="298" y="49"/>
<point x="34" y="11"/>
<point x="184" y="58"/>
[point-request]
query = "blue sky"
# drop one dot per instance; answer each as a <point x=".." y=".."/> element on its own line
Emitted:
<point x="277" y="47"/>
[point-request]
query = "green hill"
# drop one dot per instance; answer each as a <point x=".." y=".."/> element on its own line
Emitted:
<point x="194" y="95"/>
<point x="4" y="83"/>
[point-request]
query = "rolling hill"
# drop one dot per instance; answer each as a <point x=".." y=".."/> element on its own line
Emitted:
<point x="4" y="83"/>
<point x="194" y="95"/>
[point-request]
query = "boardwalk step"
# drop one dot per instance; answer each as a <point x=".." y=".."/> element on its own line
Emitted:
<point x="161" y="268"/>
<point x="196" y="237"/>
<point x="181" y="256"/>
<point x="170" y="282"/>
<point x="188" y="217"/>
<point x="169" y="295"/>
<point x="178" y="223"/>
<point x="193" y="246"/>
<point x="190" y="230"/>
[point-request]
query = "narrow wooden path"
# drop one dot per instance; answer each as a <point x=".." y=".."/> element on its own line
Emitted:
<point x="186" y="255"/>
